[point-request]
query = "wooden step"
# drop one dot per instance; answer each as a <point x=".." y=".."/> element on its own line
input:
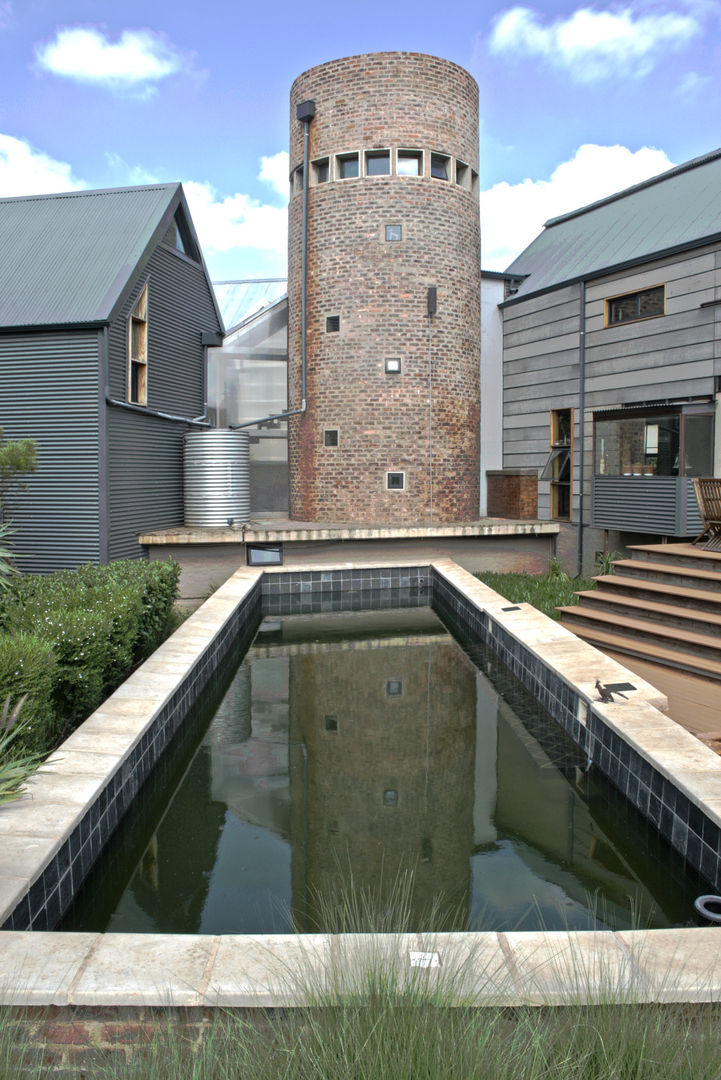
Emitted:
<point x="677" y="555"/>
<point x="657" y="654"/>
<point x="686" y="576"/>
<point x="668" y="614"/>
<point x="663" y="592"/>
<point x="702" y="646"/>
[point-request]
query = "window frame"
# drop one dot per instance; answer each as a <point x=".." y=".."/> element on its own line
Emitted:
<point x="340" y="161"/>
<point x="137" y="371"/>
<point x="396" y="472"/>
<point x="406" y="154"/>
<point x="609" y="301"/>
<point x="561" y="453"/>
<point x="378" y="154"/>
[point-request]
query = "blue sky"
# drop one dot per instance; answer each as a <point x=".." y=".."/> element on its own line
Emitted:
<point x="575" y="102"/>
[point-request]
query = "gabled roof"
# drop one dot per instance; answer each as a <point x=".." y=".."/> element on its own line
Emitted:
<point x="678" y="209"/>
<point x="65" y="259"/>
<point x="238" y="300"/>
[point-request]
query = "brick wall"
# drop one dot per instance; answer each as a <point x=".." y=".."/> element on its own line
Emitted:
<point x="512" y="493"/>
<point x="379" y="289"/>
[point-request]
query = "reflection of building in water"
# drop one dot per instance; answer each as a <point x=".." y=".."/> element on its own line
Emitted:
<point x="383" y="735"/>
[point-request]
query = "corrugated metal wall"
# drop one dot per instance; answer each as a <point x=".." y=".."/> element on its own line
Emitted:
<point x="145" y="476"/>
<point x="49" y="392"/>
<point x="145" y="454"/>
<point x="665" y="505"/>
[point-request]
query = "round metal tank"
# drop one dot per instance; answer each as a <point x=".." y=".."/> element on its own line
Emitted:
<point x="217" y="477"/>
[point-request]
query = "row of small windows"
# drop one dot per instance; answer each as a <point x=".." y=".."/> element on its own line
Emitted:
<point x="387" y="163"/>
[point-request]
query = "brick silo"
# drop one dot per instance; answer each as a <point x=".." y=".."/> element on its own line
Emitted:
<point x="390" y="432"/>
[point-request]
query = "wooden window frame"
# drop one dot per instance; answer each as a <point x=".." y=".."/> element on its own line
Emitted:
<point x="138" y="358"/>
<point x="556" y="445"/>
<point x="609" y="300"/>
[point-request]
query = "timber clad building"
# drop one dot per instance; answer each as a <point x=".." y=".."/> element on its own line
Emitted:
<point x="612" y="358"/>
<point x="106" y="310"/>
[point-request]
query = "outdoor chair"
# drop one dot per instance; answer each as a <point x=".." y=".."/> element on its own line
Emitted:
<point x="708" y="496"/>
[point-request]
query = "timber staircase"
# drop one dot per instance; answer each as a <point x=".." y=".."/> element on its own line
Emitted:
<point x="662" y="605"/>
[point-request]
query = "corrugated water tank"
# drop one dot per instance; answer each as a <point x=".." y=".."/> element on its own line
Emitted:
<point x="217" y="477"/>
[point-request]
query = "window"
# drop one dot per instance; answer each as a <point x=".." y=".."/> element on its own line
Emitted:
<point x="378" y="162"/>
<point x="394" y="232"/>
<point x="558" y="466"/>
<point x="346" y="166"/>
<point x="646" y="304"/>
<point x="440" y="166"/>
<point x="409" y="163"/>
<point x="298" y="179"/>
<point x="462" y="175"/>
<point x="330" y="437"/>
<point x="331" y="724"/>
<point x="180" y="237"/>
<point x="138" y="351"/>
<point x="394" y="688"/>
<point x="395" y="481"/>
<point x="664" y="441"/>
<point x="264" y="554"/>
<point x="321" y="171"/>
<point x="393" y="365"/>
<point x="390" y="797"/>
<point x="332" y="324"/>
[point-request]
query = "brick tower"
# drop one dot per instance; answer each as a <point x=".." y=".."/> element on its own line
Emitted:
<point x="390" y="433"/>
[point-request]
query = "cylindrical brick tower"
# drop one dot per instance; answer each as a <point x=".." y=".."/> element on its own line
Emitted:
<point x="390" y="434"/>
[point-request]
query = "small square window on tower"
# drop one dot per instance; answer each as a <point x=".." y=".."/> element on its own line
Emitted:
<point x="393" y="365"/>
<point x="332" y="324"/>
<point x="394" y="232"/>
<point x="409" y="163"/>
<point x="321" y="171"/>
<point x="330" y="437"/>
<point x="395" y="481"/>
<point x="346" y="166"/>
<point x="378" y="162"/>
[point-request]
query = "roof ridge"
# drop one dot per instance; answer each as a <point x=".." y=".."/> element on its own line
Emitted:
<point x="170" y="186"/>
<point x="659" y="178"/>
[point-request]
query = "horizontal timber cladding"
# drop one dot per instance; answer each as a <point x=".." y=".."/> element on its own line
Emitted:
<point x="49" y="391"/>
<point x="145" y="478"/>
<point x="180" y="308"/>
<point x="665" y="505"/>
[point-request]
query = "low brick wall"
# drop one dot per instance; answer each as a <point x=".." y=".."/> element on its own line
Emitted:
<point x="512" y="493"/>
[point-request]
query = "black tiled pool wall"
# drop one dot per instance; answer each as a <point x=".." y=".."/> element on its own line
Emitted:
<point x="669" y="810"/>
<point x="677" y="818"/>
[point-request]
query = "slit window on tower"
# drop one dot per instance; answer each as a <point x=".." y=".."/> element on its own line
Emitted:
<point x="409" y="163"/>
<point x="378" y="162"/>
<point x="462" y="175"/>
<point x="330" y="437"/>
<point x="440" y="166"/>
<point x="395" y="481"/>
<point x="346" y="166"/>
<point x="332" y="324"/>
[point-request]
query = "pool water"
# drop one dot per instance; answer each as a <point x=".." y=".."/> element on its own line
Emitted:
<point x="353" y="750"/>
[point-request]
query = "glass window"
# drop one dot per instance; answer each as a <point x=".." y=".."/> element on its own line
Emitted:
<point x="395" y="481"/>
<point x="655" y="444"/>
<point x="264" y="554"/>
<point x="558" y="466"/>
<point x="378" y="162"/>
<point x="639" y="305"/>
<point x="347" y="166"/>
<point x="394" y="232"/>
<point x="138" y="351"/>
<point x="409" y="163"/>
<point x="321" y="171"/>
<point x="439" y="166"/>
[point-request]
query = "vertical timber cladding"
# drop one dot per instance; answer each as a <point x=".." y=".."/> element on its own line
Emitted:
<point x="378" y="287"/>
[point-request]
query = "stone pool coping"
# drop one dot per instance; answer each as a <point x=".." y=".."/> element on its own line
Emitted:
<point x="44" y="968"/>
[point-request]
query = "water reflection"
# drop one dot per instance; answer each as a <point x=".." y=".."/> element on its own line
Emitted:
<point x="351" y="746"/>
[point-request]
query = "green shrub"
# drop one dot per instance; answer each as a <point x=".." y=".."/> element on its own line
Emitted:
<point x="28" y="668"/>
<point x="97" y="623"/>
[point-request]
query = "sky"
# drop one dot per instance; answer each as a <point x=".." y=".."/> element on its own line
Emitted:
<point x="576" y="102"/>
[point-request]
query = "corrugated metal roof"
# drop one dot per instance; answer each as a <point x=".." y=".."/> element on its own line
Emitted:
<point x="66" y="258"/>
<point x="679" y="208"/>
<point x="238" y="300"/>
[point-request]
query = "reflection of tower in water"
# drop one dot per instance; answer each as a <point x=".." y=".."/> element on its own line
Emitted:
<point x="382" y="761"/>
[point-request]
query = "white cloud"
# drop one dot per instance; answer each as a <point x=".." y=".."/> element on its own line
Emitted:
<point x="235" y="221"/>
<point x="274" y="170"/>
<point x="25" y="171"/>
<point x="593" y="45"/>
<point x="512" y="215"/>
<point x="692" y="84"/>
<point x="137" y="60"/>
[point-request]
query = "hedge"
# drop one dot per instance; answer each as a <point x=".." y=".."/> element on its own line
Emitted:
<point x="75" y="635"/>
